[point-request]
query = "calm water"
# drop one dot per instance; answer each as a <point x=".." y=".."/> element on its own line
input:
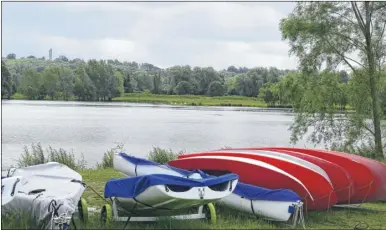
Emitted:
<point x="93" y="128"/>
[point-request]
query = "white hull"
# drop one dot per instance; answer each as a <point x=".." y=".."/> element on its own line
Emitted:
<point x="271" y="210"/>
<point x="159" y="198"/>
<point x="161" y="202"/>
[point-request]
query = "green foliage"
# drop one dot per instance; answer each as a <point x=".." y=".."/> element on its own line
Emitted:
<point x="182" y="88"/>
<point x="109" y="79"/>
<point x="31" y="85"/>
<point x="215" y="89"/>
<point x="11" y="56"/>
<point x="162" y="156"/>
<point x="270" y="93"/>
<point x="108" y="157"/>
<point x="36" y="156"/>
<point x="6" y="81"/>
<point x="323" y="35"/>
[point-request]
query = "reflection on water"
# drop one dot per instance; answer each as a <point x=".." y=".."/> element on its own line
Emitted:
<point x="92" y="128"/>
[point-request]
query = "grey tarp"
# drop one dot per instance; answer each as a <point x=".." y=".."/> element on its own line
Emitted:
<point x="60" y="192"/>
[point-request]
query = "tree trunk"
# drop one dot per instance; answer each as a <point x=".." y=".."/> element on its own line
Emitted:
<point x="373" y="85"/>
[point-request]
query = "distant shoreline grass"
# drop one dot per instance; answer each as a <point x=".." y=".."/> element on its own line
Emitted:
<point x="186" y="100"/>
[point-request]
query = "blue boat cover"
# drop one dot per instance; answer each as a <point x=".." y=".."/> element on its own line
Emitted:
<point x="133" y="186"/>
<point x="252" y="192"/>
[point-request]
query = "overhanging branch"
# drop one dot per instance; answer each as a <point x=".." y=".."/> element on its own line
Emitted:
<point x="344" y="57"/>
<point x="356" y="43"/>
<point x="359" y="17"/>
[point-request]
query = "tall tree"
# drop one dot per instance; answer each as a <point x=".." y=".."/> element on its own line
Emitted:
<point x="6" y="81"/>
<point x="51" y="81"/>
<point x="65" y="86"/>
<point x="325" y="35"/>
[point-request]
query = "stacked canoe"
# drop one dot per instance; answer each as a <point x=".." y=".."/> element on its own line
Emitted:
<point x="321" y="178"/>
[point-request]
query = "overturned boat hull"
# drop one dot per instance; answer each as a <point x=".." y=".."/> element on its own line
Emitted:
<point x="368" y="175"/>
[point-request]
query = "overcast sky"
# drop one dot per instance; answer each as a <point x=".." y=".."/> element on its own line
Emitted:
<point x="163" y="34"/>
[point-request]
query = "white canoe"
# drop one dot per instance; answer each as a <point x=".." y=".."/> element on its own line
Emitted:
<point x="275" y="205"/>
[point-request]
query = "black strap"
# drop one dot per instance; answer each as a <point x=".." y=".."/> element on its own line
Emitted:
<point x="128" y="218"/>
<point x="73" y="222"/>
<point x="78" y="181"/>
<point x="253" y="210"/>
<point x="14" y="186"/>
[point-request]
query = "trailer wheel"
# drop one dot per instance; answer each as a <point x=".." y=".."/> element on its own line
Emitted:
<point x="210" y="213"/>
<point x="83" y="210"/>
<point x="106" y="214"/>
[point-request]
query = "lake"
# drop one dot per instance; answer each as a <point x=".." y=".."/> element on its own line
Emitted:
<point x="92" y="128"/>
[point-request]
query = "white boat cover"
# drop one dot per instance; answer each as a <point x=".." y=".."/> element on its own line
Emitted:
<point x="48" y="192"/>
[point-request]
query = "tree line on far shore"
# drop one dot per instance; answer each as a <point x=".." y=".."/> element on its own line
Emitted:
<point x="101" y="80"/>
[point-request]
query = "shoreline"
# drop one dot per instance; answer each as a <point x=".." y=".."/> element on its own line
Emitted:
<point x="177" y="100"/>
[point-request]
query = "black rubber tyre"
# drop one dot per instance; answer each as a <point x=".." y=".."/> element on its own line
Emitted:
<point x="83" y="210"/>
<point x="210" y="213"/>
<point x="106" y="215"/>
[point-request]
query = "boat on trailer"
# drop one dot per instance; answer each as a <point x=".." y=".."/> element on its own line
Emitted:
<point x="49" y="196"/>
<point x="286" y="207"/>
<point x="153" y="190"/>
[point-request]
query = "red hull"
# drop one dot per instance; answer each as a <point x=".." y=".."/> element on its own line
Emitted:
<point x="340" y="179"/>
<point x="365" y="186"/>
<point x="377" y="169"/>
<point x="320" y="194"/>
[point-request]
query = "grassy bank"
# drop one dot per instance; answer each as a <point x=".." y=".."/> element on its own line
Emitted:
<point x="96" y="178"/>
<point x="189" y="100"/>
<point x="193" y="100"/>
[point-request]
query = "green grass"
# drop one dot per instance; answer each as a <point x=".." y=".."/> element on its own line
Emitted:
<point x="188" y="100"/>
<point x="194" y="100"/>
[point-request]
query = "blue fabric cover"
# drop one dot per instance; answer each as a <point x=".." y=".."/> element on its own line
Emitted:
<point x="252" y="192"/>
<point x="133" y="186"/>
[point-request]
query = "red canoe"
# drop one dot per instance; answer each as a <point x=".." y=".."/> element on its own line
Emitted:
<point x="340" y="179"/>
<point x="377" y="169"/>
<point x="267" y="172"/>
<point x="367" y="177"/>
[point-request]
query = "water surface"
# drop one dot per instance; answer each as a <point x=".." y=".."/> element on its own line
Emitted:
<point x="92" y="128"/>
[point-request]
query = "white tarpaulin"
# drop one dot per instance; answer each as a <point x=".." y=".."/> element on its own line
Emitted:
<point x="47" y="192"/>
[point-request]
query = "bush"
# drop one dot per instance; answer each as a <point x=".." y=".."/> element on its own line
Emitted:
<point x="107" y="160"/>
<point x="162" y="156"/>
<point x="36" y="156"/>
<point x="364" y="150"/>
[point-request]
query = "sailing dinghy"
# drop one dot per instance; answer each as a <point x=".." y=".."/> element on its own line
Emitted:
<point x="242" y="194"/>
<point x="50" y="195"/>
